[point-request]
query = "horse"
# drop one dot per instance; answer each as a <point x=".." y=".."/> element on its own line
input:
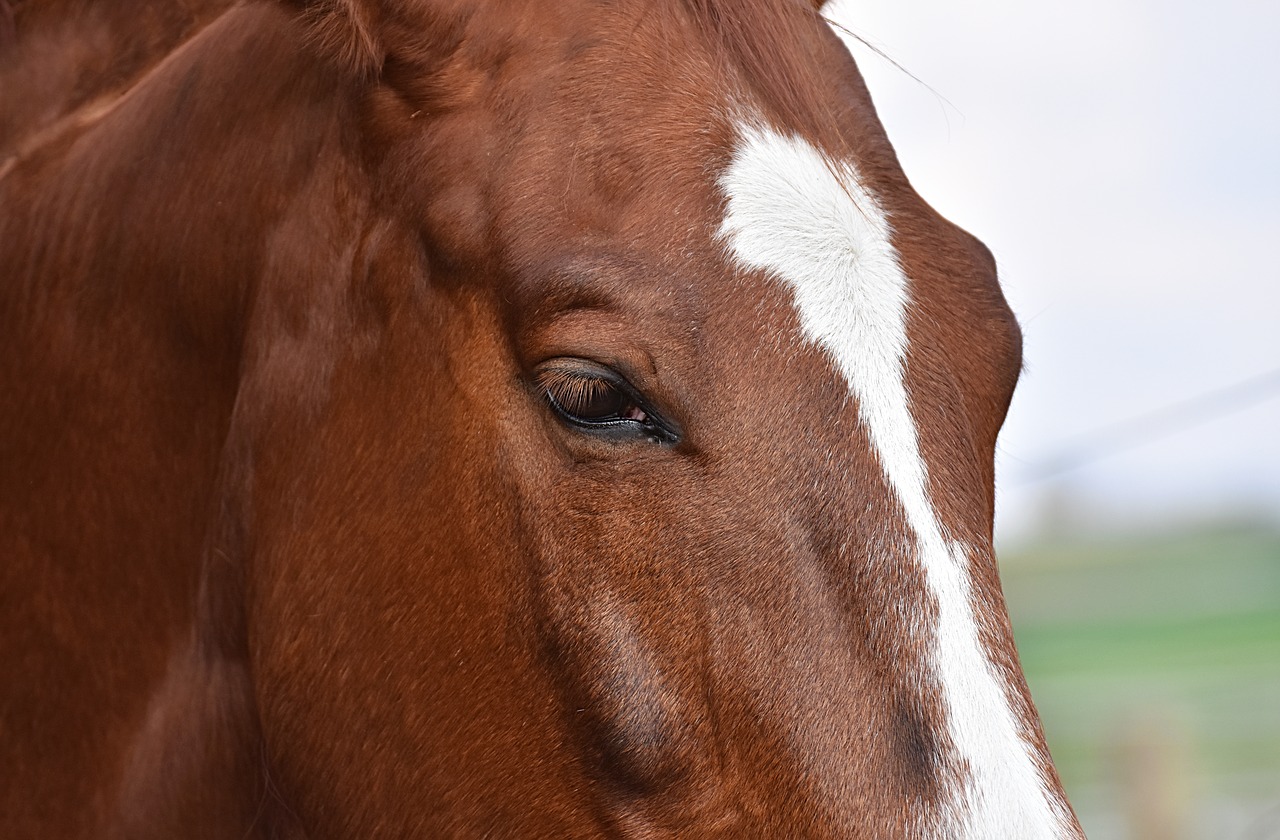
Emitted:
<point x="460" y="418"/>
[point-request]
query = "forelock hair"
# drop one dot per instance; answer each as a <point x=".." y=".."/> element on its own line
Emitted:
<point x="768" y="44"/>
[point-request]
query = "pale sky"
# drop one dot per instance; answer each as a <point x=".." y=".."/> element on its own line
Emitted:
<point x="1122" y="160"/>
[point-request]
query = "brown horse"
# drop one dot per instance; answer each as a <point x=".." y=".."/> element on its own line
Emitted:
<point x="456" y="419"/>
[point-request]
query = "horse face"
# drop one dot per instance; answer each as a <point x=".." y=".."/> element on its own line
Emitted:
<point x="654" y="484"/>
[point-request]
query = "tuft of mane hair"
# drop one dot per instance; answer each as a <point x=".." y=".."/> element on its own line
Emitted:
<point x="344" y="31"/>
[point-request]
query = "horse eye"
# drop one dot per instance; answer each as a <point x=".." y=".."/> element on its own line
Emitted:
<point x="594" y="397"/>
<point x="588" y="395"/>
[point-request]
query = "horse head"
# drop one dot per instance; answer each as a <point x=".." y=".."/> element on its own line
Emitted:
<point x="596" y="431"/>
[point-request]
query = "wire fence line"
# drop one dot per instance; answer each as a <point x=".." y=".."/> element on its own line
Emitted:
<point x="1162" y="422"/>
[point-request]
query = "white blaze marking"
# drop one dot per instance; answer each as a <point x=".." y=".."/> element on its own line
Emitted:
<point x="809" y="222"/>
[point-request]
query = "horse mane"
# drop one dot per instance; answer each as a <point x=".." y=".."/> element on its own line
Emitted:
<point x="758" y="36"/>
<point x="345" y="31"/>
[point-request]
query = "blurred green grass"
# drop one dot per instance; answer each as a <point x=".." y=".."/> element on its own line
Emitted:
<point x="1174" y="636"/>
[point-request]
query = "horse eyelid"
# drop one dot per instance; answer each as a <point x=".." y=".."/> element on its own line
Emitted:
<point x="552" y="377"/>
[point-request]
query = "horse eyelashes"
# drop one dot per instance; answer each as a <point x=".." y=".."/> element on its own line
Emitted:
<point x="573" y="392"/>
<point x="587" y="397"/>
<point x="597" y="399"/>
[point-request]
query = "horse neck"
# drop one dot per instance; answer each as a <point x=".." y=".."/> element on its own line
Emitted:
<point x="138" y="249"/>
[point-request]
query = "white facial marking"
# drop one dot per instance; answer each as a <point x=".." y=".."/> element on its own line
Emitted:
<point x="809" y="222"/>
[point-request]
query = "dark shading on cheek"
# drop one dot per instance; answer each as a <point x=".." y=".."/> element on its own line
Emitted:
<point x="635" y="740"/>
<point x="917" y="749"/>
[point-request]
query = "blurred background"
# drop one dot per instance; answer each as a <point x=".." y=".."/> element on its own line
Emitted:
<point x="1122" y="160"/>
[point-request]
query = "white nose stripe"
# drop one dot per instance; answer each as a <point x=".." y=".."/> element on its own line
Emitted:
<point x="809" y="222"/>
